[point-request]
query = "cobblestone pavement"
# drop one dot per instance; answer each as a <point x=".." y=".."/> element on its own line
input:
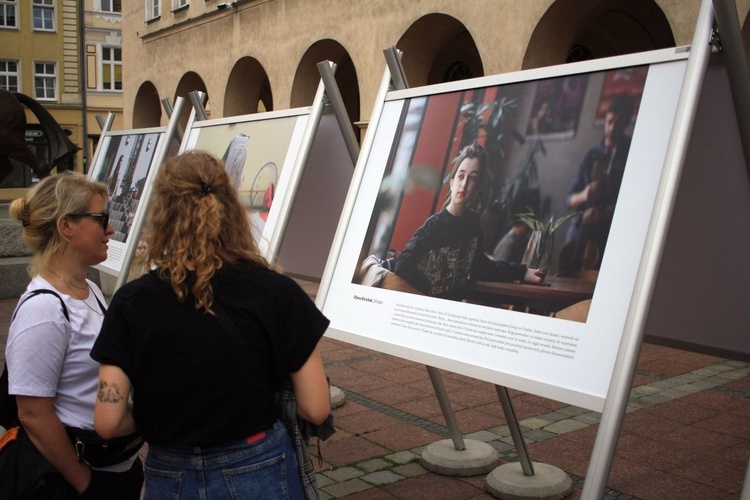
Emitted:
<point x="686" y="434"/>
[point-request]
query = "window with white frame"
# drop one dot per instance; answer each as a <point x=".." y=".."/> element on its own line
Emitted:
<point x="8" y="10"/>
<point x="153" y="9"/>
<point x="111" y="68"/>
<point x="45" y="80"/>
<point x="9" y="75"/>
<point x="111" y="6"/>
<point x="178" y="4"/>
<point x="43" y="13"/>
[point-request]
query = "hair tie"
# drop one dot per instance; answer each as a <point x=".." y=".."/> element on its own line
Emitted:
<point x="207" y="188"/>
<point x="25" y="214"/>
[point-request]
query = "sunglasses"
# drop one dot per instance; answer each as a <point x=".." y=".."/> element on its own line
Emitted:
<point x="104" y="216"/>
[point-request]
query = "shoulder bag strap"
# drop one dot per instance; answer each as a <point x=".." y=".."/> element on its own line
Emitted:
<point x="40" y="291"/>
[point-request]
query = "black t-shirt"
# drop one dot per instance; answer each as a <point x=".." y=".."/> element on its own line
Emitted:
<point x="193" y="383"/>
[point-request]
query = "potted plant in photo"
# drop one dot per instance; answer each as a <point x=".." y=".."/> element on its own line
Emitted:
<point x="539" y="249"/>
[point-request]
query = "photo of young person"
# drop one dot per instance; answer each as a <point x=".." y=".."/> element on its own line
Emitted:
<point x="446" y="251"/>
<point x="465" y="196"/>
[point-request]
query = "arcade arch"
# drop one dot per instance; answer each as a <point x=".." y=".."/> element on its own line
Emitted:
<point x="248" y="89"/>
<point x="438" y="48"/>
<point x="307" y="77"/>
<point x="574" y="31"/>
<point x="189" y="82"/>
<point x="147" y="106"/>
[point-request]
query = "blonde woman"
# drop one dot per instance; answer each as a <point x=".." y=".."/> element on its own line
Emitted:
<point x="54" y="379"/>
<point x="205" y="340"/>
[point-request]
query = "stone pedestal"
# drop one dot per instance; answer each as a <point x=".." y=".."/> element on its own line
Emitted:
<point x="548" y="482"/>
<point x="443" y="458"/>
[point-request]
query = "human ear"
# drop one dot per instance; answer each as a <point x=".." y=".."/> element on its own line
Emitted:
<point x="64" y="227"/>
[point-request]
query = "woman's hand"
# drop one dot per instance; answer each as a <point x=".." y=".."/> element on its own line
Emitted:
<point x="46" y="431"/>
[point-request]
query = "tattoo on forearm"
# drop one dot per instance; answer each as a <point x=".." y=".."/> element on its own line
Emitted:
<point x="108" y="393"/>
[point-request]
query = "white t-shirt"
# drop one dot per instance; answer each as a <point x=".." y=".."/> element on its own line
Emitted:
<point x="49" y="357"/>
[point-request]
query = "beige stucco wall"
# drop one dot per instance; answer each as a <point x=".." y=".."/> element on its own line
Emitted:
<point x="277" y="33"/>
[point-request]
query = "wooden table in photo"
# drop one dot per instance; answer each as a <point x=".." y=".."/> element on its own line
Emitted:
<point x="557" y="294"/>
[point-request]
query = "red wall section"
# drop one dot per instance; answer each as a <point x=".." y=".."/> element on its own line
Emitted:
<point x="432" y="146"/>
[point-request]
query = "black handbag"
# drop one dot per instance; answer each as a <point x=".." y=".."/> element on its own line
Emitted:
<point x="26" y="473"/>
<point x="98" y="452"/>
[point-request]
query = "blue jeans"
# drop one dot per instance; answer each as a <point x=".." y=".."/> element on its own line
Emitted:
<point x="266" y="468"/>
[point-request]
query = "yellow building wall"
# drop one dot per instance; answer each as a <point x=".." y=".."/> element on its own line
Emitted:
<point x="209" y="41"/>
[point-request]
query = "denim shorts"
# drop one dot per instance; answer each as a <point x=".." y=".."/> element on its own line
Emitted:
<point x="262" y="468"/>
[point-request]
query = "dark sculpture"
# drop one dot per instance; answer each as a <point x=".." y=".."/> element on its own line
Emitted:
<point x="13" y="136"/>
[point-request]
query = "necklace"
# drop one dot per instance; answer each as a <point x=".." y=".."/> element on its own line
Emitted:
<point x="86" y="288"/>
<point x="68" y="282"/>
<point x="91" y="308"/>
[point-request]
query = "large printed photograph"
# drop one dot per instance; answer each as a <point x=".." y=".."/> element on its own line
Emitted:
<point x="464" y="204"/>
<point x="504" y="196"/>
<point x="124" y="167"/>
<point x="256" y="154"/>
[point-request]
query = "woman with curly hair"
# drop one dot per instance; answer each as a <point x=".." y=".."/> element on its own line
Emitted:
<point x="205" y="339"/>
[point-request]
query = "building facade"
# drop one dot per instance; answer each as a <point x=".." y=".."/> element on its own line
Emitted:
<point x="250" y="55"/>
<point x="68" y="56"/>
<point x="102" y="51"/>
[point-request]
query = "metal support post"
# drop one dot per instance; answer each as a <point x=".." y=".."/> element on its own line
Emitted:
<point x="515" y="430"/>
<point x="445" y="405"/>
<point x="198" y="99"/>
<point x="326" y="69"/>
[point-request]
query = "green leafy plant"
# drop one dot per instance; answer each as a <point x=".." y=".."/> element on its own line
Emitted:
<point x="544" y="235"/>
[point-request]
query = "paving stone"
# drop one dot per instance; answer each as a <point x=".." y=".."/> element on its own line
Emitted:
<point x="343" y="474"/>
<point x="705" y="384"/>
<point x="501" y="446"/>
<point x="676" y="393"/>
<point x="374" y="465"/>
<point x="482" y="436"/>
<point x="735" y="374"/>
<point x="640" y="403"/>
<point x="687" y="377"/>
<point x="381" y="478"/>
<point x="501" y="431"/>
<point x="553" y="416"/>
<point x="534" y="422"/>
<point x="402" y="457"/>
<point x="720" y="379"/>
<point x="564" y="426"/>
<point x="589" y="418"/>
<point x="350" y="487"/>
<point x="691" y="388"/>
<point x="509" y="440"/>
<point x="573" y="411"/>
<point x="655" y="398"/>
<point x="539" y="435"/>
<point x="418" y="450"/>
<point x="707" y="372"/>
<point x="723" y="367"/>
<point x="323" y="480"/>
<point x="645" y="390"/>
<point x="664" y="384"/>
<point x="410" y="470"/>
<point x="737" y="364"/>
